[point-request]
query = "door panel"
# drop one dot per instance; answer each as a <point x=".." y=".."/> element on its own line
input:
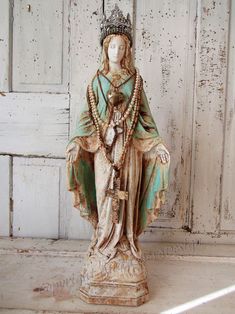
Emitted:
<point x="164" y="54"/>
<point x="5" y="44"/>
<point x="37" y="203"/>
<point x="40" y="46"/>
<point x="228" y="195"/>
<point x="34" y="124"/>
<point x="5" y="195"/>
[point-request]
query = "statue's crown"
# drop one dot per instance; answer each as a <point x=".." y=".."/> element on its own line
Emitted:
<point x="116" y="24"/>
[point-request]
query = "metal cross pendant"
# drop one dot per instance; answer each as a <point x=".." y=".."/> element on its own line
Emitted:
<point x="116" y="195"/>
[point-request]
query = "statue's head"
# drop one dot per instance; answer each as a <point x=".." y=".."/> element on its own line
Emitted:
<point x="116" y="40"/>
<point x="117" y="48"/>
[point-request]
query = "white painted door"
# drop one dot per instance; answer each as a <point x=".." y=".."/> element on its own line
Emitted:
<point x="34" y="117"/>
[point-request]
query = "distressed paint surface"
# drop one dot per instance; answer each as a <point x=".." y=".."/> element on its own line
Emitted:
<point x="228" y="179"/>
<point x="43" y="276"/>
<point x="39" y="209"/>
<point x="85" y="55"/>
<point x="34" y="124"/>
<point x="165" y="56"/>
<point x="5" y="45"/>
<point x="85" y="51"/>
<point x="5" y="195"/>
<point x="210" y="93"/>
<point x="40" y="46"/>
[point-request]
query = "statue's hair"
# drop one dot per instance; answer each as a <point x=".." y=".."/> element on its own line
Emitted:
<point x="126" y="62"/>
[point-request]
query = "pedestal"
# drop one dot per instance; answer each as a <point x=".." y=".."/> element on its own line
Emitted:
<point x="121" y="280"/>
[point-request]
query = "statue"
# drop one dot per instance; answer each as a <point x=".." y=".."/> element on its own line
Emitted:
<point x="117" y="171"/>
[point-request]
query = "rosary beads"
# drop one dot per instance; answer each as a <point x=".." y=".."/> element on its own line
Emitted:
<point x="126" y="113"/>
<point x="99" y="123"/>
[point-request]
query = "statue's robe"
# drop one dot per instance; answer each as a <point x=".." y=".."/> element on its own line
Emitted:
<point x="143" y="175"/>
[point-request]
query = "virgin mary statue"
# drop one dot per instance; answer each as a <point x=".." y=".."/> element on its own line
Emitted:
<point x="117" y="170"/>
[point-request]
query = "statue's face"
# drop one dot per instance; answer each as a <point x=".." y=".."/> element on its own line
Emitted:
<point x="116" y="49"/>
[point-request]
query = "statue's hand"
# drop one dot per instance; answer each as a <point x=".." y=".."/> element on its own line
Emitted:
<point x="163" y="153"/>
<point x="72" y="152"/>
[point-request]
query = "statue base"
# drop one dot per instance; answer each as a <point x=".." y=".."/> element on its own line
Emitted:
<point x="115" y="294"/>
<point x="121" y="280"/>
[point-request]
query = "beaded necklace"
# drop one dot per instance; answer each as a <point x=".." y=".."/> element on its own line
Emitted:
<point x="135" y="102"/>
<point x="115" y="193"/>
<point x="127" y="112"/>
<point x="118" y="86"/>
<point x="130" y="103"/>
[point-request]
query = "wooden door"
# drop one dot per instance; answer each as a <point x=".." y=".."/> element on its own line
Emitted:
<point x="34" y="117"/>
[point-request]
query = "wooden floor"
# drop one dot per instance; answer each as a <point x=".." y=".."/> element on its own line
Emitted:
<point x="42" y="276"/>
